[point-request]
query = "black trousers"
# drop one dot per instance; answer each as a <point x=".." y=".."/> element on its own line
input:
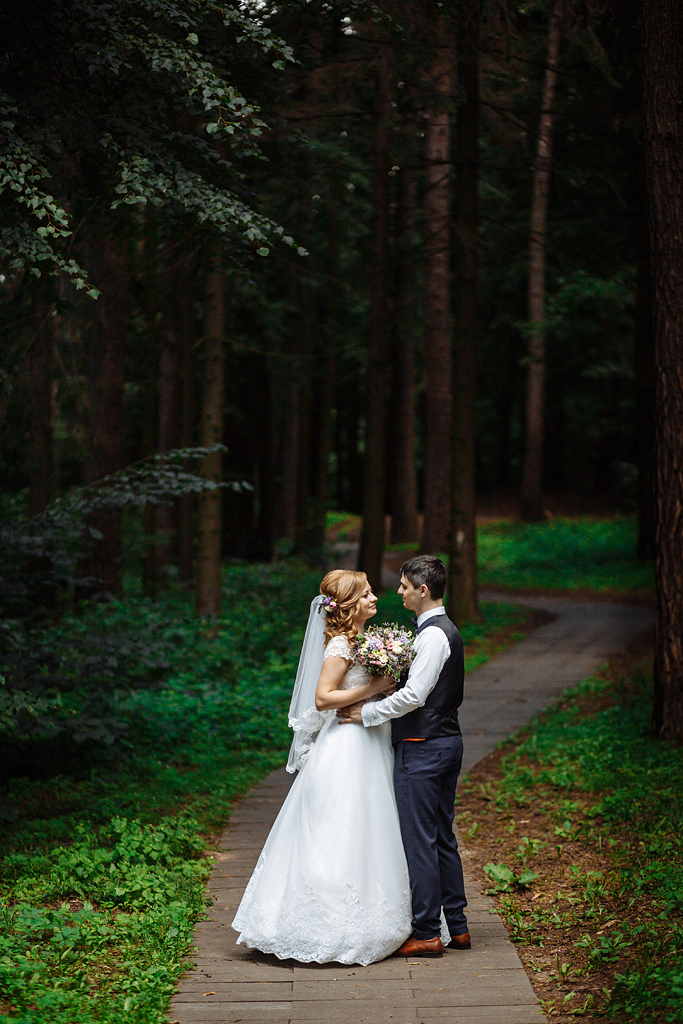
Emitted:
<point x="425" y="777"/>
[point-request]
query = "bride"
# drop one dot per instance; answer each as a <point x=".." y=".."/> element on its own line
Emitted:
<point x="331" y="882"/>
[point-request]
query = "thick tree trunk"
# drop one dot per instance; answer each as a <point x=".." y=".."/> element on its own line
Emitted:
<point x="105" y="450"/>
<point x="404" y="523"/>
<point x="211" y="432"/>
<point x="531" y="505"/>
<point x="663" y="86"/>
<point x="438" y="353"/>
<point x="40" y="406"/>
<point x="372" y="536"/>
<point x="463" y="602"/>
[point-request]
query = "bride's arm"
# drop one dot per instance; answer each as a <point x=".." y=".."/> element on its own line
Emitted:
<point x="328" y="695"/>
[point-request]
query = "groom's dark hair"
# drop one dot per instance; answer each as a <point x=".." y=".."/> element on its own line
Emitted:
<point x="427" y="569"/>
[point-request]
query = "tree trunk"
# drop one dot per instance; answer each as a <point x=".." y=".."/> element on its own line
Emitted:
<point x="170" y="403"/>
<point x="531" y="506"/>
<point x="645" y="408"/>
<point x="372" y="536"/>
<point x="507" y="368"/>
<point x="325" y="392"/>
<point x="463" y="602"/>
<point x="438" y="353"/>
<point x="106" y="430"/>
<point x="663" y="87"/>
<point x="148" y="285"/>
<point x="211" y="432"/>
<point x="350" y="474"/>
<point x="187" y="504"/>
<point x="263" y="529"/>
<point x="40" y="406"/>
<point x="404" y="524"/>
<point x="289" y="466"/>
<point x="304" y="432"/>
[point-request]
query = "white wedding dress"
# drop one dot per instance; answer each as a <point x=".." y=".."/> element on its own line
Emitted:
<point x="331" y="882"/>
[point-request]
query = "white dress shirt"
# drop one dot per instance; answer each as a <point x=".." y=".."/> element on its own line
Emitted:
<point x="431" y="653"/>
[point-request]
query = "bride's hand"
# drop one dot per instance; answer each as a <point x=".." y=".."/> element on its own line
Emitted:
<point x="391" y="688"/>
<point x="380" y="684"/>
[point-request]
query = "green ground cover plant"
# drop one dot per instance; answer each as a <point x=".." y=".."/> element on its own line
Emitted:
<point x="105" y="848"/>
<point x="579" y="826"/>
<point x="563" y="554"/>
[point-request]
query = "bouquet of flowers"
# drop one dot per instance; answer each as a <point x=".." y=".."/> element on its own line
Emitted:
<point x="385" y="650"/>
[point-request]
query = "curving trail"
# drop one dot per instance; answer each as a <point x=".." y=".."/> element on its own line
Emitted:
<point x="504" y="694"/>
<point x="485" y="986"/>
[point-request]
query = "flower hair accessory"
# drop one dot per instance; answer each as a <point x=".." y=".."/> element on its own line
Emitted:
<point x="328" y="603"/>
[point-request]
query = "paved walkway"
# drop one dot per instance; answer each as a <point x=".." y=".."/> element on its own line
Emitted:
<point x="487" y="985"/>
<point x="504" y="694"/>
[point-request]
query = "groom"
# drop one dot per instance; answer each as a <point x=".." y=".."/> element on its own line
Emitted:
<point x="428" y="746"/>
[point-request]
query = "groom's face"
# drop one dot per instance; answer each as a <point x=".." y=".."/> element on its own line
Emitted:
<point x="412" y="596"/>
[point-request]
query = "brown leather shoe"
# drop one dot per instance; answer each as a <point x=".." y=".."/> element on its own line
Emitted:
<point x="460" y="941"/>
<point x="421" y="947"/>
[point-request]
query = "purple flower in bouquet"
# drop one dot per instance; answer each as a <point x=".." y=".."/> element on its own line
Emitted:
<point x="385" y="650"/>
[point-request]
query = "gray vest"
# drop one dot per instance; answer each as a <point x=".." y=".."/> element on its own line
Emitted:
<point x="439" y="715"/>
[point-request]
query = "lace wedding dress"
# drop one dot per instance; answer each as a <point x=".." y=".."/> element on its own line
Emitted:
<point x="331" y="882"/>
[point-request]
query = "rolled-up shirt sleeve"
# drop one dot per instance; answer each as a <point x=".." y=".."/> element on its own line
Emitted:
<point x="431" y="653"/>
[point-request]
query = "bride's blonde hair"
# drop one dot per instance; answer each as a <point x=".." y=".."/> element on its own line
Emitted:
<point x="345" y="588"/>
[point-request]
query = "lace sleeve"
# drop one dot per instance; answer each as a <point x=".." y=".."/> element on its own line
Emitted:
<point x="339" y="646"/>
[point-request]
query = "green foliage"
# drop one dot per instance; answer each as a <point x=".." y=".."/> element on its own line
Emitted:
<point x="124" y="864"/>
<point x="504" y="879"/>
<point x="101" y="877"/>
<point x="77" y="686"/>
<point x="162" y="61"/>
<point x="633" y="812"/>
<point x="108" y="844"/>
<point x="43" y="553"/>
<point x="567" y="554"/>
<point x="142" y="673"/>
<point x="156" y="480"/>
<point x="83" y="960"/>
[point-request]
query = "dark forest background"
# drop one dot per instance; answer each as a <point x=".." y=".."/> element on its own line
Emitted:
<point x="93" y="386"/>
<point x="377" y="259"/>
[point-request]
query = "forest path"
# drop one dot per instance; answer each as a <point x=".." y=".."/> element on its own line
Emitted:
<point x="485" y="986"/>
<point x="507" y="692"/>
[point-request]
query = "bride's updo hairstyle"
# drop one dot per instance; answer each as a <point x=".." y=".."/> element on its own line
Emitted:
<point x="345" y="588"/>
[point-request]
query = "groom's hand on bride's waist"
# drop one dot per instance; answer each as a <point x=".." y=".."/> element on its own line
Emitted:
<point x="352" y="713"/>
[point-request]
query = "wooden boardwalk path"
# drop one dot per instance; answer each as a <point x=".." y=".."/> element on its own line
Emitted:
<point x="486" y="985"/>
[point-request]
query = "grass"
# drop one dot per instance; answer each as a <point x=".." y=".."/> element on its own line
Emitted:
<point x="563" y="554"/>
<point x="103" y="869"/>
<point x="579" y="832"/>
